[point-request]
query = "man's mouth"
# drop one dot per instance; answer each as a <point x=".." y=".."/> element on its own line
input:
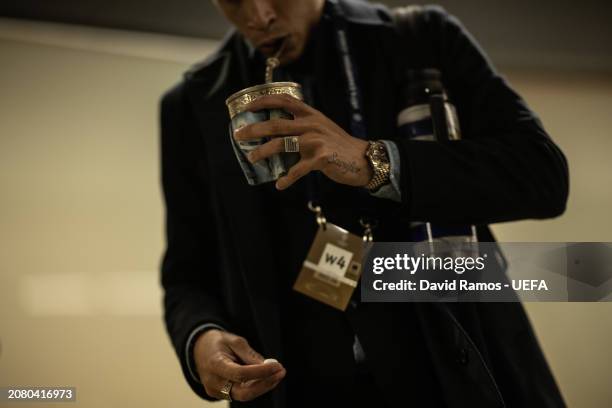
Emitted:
<point x="271" y="47"/>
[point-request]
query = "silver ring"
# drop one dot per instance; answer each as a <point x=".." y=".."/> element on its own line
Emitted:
<point x="292" y="144"/>
<point x="226" y="391"/>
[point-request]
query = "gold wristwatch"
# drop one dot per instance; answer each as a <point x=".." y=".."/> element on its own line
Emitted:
<point x="377" y="156"/>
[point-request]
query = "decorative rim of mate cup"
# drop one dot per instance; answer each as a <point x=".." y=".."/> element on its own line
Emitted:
<point x="237" y="101"/>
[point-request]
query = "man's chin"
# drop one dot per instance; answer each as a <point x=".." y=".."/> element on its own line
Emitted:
<point x="290" y="56"/>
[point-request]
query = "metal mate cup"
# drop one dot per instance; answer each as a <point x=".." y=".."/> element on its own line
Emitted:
<point x="277" y="165"/>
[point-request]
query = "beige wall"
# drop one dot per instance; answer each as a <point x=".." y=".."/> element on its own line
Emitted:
<point x="81" y="216"/>
<point x="576" y="337"/>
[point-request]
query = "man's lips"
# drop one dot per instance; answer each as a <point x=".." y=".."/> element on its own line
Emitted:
<point x="270" y="46"/>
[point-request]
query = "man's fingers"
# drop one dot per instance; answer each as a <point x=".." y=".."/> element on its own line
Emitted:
<point x="213" y="385"/>
<point x="252" y="389"/>
<point x="235" y="372"/>
<point x="284" y="102"/>
<point x="296" y="172"/>
<point x="235" y="361"/>
<point x="243" y="350"/>
<point x="306" y="141"/>
<point x="271" y="147"/>
<point x="272" y="128"/>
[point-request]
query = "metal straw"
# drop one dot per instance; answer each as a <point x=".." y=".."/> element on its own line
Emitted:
<point x="273" y="62"/>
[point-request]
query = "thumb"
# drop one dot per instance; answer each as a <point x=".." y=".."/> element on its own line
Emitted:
<point x="243" y="350"/>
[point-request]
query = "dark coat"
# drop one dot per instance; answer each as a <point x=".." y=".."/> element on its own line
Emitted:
<point x="216" y="267"/>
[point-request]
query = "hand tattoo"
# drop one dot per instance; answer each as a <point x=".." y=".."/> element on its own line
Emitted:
<point x="344" y="165"/>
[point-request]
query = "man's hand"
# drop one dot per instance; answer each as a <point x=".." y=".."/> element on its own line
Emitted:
<point x="324" y="145"/>
<point x="221" y="357"/>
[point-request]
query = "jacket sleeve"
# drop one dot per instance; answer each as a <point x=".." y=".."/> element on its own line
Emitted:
<point x="188" y="270"/>
<point x="505" y="168"/>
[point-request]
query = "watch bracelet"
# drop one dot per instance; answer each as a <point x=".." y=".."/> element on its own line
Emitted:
<point x="381" y="169"/>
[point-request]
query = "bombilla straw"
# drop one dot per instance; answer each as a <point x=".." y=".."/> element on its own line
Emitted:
<point x="273" y="62"/>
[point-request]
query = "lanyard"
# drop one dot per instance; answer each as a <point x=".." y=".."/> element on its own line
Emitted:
<point x="356" y="119"/>
<point x="357" y="124"/>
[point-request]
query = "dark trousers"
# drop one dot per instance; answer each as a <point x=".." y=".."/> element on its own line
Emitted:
<point x="364" y="393"/>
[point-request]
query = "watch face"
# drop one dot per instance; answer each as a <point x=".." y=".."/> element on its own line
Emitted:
<point x="379" y="152"/>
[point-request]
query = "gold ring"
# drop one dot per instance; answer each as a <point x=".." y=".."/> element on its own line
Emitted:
<point x="226" y="391"/>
